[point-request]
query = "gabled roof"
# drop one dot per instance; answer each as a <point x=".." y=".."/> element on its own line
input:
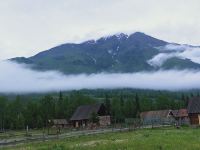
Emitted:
<point x="59" y="121"/>
<point x="175" y="112"/>
<point x="194" y="105"/>
<point x="155" y="114"/>
<point x="180" y="113"/>
<point x="84" y="112"/>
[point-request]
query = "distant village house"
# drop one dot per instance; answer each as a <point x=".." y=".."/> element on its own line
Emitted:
<point x="194" y="111"/>
<point x="83" y="114"/>
<point x="181" y="117"/>
<point x="157" y="117"/>
<point x="60" y="123"/>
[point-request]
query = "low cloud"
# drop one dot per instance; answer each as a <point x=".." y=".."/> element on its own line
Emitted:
<point x="160" y="59"/>
<point x="15" y="78"/>
<point x="174" y="50"/>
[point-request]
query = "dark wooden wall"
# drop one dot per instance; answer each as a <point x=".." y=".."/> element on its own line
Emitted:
<point x="194" y="120"/>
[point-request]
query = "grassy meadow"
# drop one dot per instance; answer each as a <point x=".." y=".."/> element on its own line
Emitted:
<point x="144" y="139"/>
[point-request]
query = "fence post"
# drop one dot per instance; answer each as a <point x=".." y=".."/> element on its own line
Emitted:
<point x="43" y="134"/>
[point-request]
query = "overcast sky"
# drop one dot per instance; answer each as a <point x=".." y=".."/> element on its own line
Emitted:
<point x="30" y="26"/>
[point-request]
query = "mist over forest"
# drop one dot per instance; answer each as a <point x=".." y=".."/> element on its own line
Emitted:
<point x="19" y="78"/>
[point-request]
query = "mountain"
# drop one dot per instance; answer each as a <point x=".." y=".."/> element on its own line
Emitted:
<point x="116" y="53"/>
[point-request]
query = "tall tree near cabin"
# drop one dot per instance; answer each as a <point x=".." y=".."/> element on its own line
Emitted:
<point x="3" y="103"/>
<point x="60" y="107"/>
<point x="137" y="103"/>
<point x="108" y="104"/>
<point x="48" y="108"/>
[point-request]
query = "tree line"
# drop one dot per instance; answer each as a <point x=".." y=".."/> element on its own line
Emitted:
<point x="36" y="113"/>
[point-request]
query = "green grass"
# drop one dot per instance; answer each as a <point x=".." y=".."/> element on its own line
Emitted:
<point x="145" y="139"/>
<point x="22" y="133"/>
<point x="17" y="133"/>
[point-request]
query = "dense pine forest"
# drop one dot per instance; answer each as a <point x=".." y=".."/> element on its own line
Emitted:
<point x="35" y="110"/>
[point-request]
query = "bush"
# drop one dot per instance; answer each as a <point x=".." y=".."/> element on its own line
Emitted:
<point x="58" y="147"/>
<point x="54" y="147"/>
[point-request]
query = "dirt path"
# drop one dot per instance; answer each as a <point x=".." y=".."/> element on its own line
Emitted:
<point x="40" y="137"/>
<point x="23" y="140"/>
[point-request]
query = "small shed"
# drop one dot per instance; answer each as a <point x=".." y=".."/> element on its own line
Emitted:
<point x="181" y="116"/>
<point x="82" y="115"/>
<point x="60" y="123"/>
<point x="157" y="117"/>
<point x="194" y="110"/>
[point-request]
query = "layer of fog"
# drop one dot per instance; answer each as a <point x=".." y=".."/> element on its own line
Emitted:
<point x="174" y="50"/>
<point x="15" y="78"/>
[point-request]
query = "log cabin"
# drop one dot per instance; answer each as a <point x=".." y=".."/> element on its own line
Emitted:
<point x="194" y="110"/>
<point x="157" y="117"/>
<point x="60" y="123"/>
<point x="82" y="115"/>
<point x="181" y="116"/>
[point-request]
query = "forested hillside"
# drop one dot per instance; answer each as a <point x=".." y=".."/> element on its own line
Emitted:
<point x="19" y="111"/>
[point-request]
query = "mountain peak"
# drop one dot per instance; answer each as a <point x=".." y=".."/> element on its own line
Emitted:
<point x="117" y="36"/>
<point x="142" y="38"/>
<point x="140" y="35"/>
<point x="121" y="35"/>
<point x="116" y="53"/>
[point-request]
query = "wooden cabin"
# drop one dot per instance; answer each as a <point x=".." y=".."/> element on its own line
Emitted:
<point x="60" y="123"/>
<point x="181" y="116"/>
<point x="82" y="115"/>
<point x="157" y="117"/>
<point x="194" y="111"/>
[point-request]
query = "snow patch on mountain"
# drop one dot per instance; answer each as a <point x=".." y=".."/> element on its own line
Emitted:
<point x="117" y="48"/>
<point x="121" y="35"/>
<point x="95" y="61"/>
<point x="110" y="51"/>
